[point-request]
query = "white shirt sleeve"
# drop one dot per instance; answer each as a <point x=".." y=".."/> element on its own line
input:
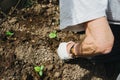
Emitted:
<point x="73" y="12"/>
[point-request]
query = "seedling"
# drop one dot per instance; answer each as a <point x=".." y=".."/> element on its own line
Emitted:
<point x="53" y="34"/>
<point x="39" y="69"/>
<point x="8" y="33"/>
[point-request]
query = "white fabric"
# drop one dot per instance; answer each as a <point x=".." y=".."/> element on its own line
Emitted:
<point x="118" y="78"/>
<point x="62" y="51"/>
<point x="113" y="12"/>
<point x="74" y="12"/>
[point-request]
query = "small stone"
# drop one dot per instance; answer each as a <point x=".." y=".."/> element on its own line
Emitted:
<point x="49" y="67"/>
<point x="1" y="49"/>
<point x="13" y="20"/>
<point x="33" y="41"/>
<point x="27" y="42"/>
<point x="31" y="20"/>
<point x="24" y="77"/>
<point x="57" y="74"/>
<point x="14" y="38"/>
<point x="37" y="9"/>
<point x="57" y="67"/>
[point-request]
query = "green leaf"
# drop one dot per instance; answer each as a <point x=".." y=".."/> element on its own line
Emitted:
<point x="41" y="67"/>
<point x="8" y="33"/>
<point x="37" y="69"/>
<point x="41" y="73"/>
<point x="53" y="34"/>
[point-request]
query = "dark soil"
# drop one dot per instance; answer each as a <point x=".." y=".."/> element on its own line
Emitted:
<point x="31" y="46"/>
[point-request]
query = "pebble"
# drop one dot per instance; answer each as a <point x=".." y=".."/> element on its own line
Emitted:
<point x="37" y="9"/>
<point x="13" y="20"/>
<point x="49" y="67"/>
<point x="33" y="41"/>
<point x="57" y="74"/>
<point x="24" y="77"/>
<point x="1" y="49"/>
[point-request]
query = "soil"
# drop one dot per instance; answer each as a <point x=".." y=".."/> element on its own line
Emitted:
<point x="31" y="46"/>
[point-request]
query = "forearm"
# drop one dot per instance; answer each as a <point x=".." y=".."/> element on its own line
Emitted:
<point x="99" y="39"/>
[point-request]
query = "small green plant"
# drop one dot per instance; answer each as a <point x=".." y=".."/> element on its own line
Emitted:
<point x="39" y="69"/>
<point x="8" y="33"/>
<point x="53" y="34"/>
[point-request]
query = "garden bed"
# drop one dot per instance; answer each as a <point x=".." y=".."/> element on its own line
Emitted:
<point x="30" y="46"/>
